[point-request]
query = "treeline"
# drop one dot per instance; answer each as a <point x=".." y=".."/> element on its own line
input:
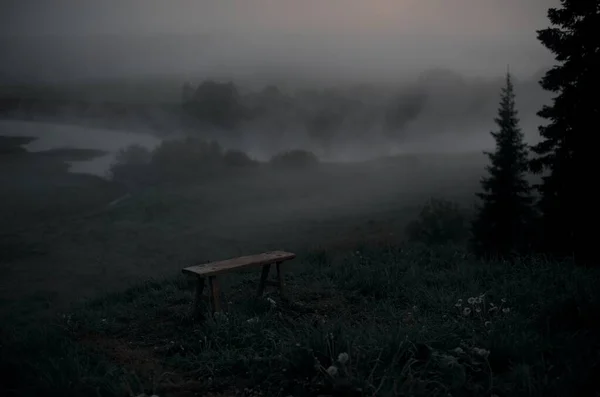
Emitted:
<point x="180" y="161"/>
<point x="440" y="101"/>
<point x="320" y="119"/>
<point x="558" y="215"/>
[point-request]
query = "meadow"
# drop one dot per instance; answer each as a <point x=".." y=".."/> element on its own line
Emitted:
<point x="93" y="303"/>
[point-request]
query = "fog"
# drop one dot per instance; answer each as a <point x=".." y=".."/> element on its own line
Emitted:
<point x="337" y="40"/>
<point x="350" y="80"/>
<point x="438" y="65"/>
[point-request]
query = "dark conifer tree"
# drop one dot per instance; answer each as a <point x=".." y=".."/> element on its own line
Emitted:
<point x="566" y="156"/>
<point x="502" y="223"/>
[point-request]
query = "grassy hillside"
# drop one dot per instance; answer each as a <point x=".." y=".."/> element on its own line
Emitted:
<point x="404" y="320"/>
<point x="91" y="301"/>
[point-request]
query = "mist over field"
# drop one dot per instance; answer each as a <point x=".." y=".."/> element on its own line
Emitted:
<point x="384" y="78"/>
<point x="389" y="145"/>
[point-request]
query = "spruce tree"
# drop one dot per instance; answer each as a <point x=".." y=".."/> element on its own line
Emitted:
<point x="502" y="223"/>
<point x="566" y="155"/>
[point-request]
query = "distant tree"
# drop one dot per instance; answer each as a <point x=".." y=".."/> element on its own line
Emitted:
<point x="403" y="109"/>
<point x="187" y="92"/>
<point x="502" y="223"/>
<point x="294" y="159"/>
<point x="566" y="154"/>
<point x="216" y="104"/>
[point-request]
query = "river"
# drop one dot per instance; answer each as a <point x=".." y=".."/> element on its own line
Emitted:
<point x="53" y="136"/>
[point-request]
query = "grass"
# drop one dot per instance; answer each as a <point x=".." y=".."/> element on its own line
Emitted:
<point x="395" y="311"/>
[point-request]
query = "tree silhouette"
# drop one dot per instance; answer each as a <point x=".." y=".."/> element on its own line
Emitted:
<point x="566" y="154"/>
<point x="501" y="224"/>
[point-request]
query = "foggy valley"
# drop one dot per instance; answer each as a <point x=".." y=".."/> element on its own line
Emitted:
<point x="410" y="156"/>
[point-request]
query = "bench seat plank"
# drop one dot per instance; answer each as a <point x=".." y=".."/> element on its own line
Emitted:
<point x="215" y="268"/>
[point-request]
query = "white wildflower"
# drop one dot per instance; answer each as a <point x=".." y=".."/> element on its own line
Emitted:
<point x="458" y="350"/>
<point x="481" y="352"/>
<point x="478" y="309"/>
<point x="343" y="358"/>
<point x="487" y="324"/>
<point x="466" y="311"/>
<point x="506" y="310"/>
<point x="471" y="300"/>
<point x="332" y="371"/>
<point x="479" y="300"/>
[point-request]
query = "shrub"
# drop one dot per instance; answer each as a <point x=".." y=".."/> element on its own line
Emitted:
<point x="439" y="222"/>
<point x="176" y="160"/>
<point x="295" y="159"/>
<point x="237" y="158"/>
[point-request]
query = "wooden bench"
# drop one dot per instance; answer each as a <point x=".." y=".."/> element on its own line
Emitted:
<point x="213" y="269"/>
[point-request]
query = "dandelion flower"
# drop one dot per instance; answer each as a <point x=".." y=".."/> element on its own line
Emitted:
<point x="506" y="310"/>
<point x="481" y="352"/>
<point x="466" y="311"/>
<point x="343" y="358"/>
<point x="332" y="371"/>
<point x="478" y="310"/>
<point x="471" y="300"/>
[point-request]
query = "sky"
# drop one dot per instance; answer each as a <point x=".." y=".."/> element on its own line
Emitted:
<point x="327" y="39"/>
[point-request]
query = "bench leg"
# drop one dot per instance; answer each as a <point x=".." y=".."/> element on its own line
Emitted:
<point x="281" y="280"/>
<point x="215" y="294"/>
<point x="198" y="297"/>
<point x="263" y="280"/>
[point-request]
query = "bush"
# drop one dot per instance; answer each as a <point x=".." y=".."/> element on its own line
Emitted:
<point x="439" y="222"/>
<point x="237" y="158"/>
<point x="295" y="159"/>
<point x="176" y="160"/>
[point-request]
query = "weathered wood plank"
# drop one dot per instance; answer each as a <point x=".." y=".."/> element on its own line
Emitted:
<point x="215" y="268"/>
